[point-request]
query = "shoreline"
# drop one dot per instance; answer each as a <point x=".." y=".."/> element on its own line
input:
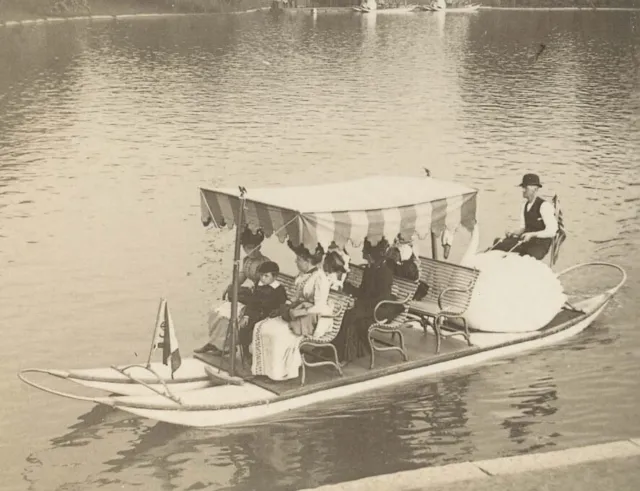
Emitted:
<point x="112" y="17"/>
<point x="491" y="471"/>
<point x="21" y="20"/>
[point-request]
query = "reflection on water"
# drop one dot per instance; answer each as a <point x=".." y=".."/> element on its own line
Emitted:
<point x="305" y="448"/>
<point x="107" y="130"/>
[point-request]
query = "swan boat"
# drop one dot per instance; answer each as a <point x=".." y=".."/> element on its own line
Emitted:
<point x="209" y="390"/>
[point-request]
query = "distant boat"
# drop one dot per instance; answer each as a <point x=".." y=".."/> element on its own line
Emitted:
<point x="451" y="10"/>
<point x="405" y="9"/>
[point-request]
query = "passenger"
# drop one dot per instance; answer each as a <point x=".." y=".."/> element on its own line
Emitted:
<point x="220" y="317"/>
<point x="335" y="268"/>
<point x="276" y="341"/>
<point x="266" y="301"/>
<point x="377" y="279"/>
<point x="333" y="247"/>
<point x="403" y="262"/>
<point x="538" y="224"/>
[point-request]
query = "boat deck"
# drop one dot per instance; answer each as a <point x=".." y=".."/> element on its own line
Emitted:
<point x="419" y="349"/>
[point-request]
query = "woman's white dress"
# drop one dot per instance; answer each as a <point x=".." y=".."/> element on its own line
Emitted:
<point x="276" y="352"/>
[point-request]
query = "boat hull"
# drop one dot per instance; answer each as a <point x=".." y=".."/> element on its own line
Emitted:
<point x="197" y="409"/>
<point x="233" y="401"/>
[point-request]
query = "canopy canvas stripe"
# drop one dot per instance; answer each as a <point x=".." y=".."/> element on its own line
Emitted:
<point x="350" y="211"/>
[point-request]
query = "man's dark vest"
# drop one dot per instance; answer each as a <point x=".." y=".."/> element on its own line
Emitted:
<point x="533" y="221"/>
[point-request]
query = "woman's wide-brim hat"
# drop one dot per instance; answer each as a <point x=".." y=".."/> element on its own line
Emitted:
<point x="530" y="180"/>
<point x="400" y="239"/>
<point x="376" y="251"/>
<point x="301" y="251"/>
<point x="336" y="261"/>
<point x="250" y="238"/>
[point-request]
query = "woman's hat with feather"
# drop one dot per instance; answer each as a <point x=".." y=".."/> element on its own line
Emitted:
<point x="251" y="239"/>
<point x="301" y="251"/>
<point x="377" y="251"/>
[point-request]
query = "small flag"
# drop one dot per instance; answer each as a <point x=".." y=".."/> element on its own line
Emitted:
<point x="166" y="339"/>
<point x="561" y="234"/>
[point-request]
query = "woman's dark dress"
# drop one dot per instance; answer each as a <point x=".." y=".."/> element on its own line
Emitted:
<point x="352" y="340"/>
<point x="407" y="270"/>
<point x="264" y="302"/>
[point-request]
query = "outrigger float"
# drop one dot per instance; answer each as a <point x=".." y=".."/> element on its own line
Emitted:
<point x="429" y="337"/>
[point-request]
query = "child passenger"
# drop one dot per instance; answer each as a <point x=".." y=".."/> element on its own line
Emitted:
<point x="267" y="298"/>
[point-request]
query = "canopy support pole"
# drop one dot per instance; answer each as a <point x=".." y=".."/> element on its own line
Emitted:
<point x="155" y="335"/>
<point x="233" y="322"/>
<point x="434" y="246"/>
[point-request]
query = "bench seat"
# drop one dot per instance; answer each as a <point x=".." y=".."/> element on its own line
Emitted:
<point x="341" y="303"/>
<point x="450" y="288"/>
<point x="404" y="291"/>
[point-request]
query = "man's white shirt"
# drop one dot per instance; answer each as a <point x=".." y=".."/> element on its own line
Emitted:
<point x="548" y="217"/>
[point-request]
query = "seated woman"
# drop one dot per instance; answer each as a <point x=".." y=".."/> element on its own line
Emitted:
<point x="403" y="262"/>
<point x="276" y="341"/>
<point x="335" y="268"/>
<point x="266" y="301"/>
<point x="219" y="317"/>
<point x="342" y="252"/>
<point x="352" y="340"/>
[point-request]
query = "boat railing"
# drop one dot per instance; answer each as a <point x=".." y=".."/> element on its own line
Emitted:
<point x="21" y="375"/>
<point x="66" y="375"/>
<point x="611" y="291"/>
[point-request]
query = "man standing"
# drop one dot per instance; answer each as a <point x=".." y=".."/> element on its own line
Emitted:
<point x="538" y="223"/>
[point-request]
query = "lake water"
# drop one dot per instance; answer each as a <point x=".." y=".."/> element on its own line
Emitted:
<point x="108" y="129"/>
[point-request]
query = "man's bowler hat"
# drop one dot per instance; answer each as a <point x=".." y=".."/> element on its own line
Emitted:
<point x="530" y="180"/>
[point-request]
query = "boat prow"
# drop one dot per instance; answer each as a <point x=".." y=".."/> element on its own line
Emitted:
<point x="136" y="379"/>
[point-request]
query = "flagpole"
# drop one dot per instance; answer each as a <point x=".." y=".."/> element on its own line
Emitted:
<point x="233" y="323"/>
<point x="155" y="333"/>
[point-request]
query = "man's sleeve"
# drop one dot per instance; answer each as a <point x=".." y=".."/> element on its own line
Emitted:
<point x="549" y="219"/>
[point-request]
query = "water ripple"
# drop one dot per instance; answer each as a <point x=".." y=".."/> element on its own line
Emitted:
<point x="108" y="130"/>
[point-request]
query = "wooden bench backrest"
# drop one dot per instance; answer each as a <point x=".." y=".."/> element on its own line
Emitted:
<point x="341" y="303"/>
<point x="400" y="288"/>
<point x="440" y="275"/>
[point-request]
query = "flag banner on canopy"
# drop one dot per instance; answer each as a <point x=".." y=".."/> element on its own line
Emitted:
<point x="165" y="338"/>
<point x="348" y="212"/>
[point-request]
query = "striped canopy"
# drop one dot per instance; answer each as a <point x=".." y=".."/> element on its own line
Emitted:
<point x="349" y="211"/>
